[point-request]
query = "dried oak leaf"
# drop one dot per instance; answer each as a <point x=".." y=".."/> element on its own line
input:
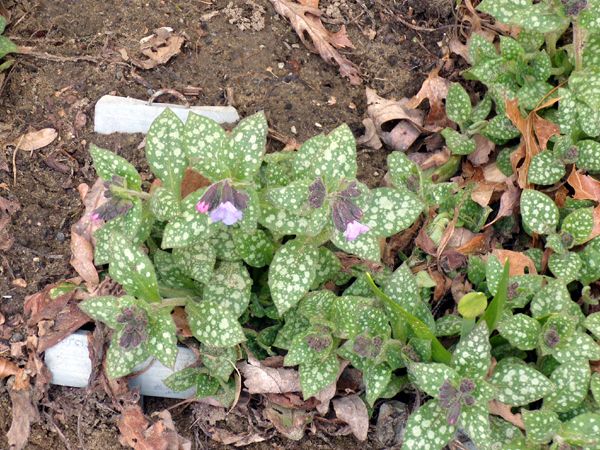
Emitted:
<point x="585" y="186"/>
<point x="288" y="422"/>
<point x="483" y="148"/>
<point x="159" y="48"/>
<point x="7" y="368"/>
<point x="370" y="138"/>
<point x="137" y="432"/>
<point x="434" y="89"/>
<point x="306" y="21"/>
<point x="353" y="411"/>
<point x="396" y="124"/>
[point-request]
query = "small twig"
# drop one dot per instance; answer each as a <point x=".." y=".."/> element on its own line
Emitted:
<point x="29" y="51"/>
<point x="420" y="28"/>
<point x="14" y="160"/>
<point x="60" y="433"/>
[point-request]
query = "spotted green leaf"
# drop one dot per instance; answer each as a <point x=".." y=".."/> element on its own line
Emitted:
<point x="458" y="144"/>
<point x="132" y="268"/>
<point x="317" y="375"/>
<point x="169" y="273"/>
<point x="220" y="362"/>
<point x="7" y="46"/>
<point x="328" y="267"/>
<point x="519" y="384"/>
<point x="589" y="156"/>
<point x="545" y="169"/>
<point x="292" y="197"/>
<point x="540" y="425"/>
<point x="229" y="287"/>
<point x="511" y="49"/>
<point x="189" y="227"/>
<point x="476" y="422"/>
<point x="164" y="204"/>
<point x="585" y="84"/>
<point x="162" y="337"/>
<point x="427" y="428"/>
<point x="256" y="248"/>
<point x="566" y="266"/>
<point x="223" y="242"/>
<point x="505" y="11"/>
<point x="164" y="150"/>
<point x="354" y="315"/>
<point x="337" y="158"/>
<point x="480" y="49"/>
<point x="595" y="386"/>
<point x="121" y="361"/>
<point x="206" y="386"/>
<point x="567" y="111"/>
<point x="392" y="210"/>
<point x="541" y="66"/>
<point x="205" y="143"/>
<point x="309" y="152"/>
<point x="365" y="246"/>
<point x="591" y="51"/>
<point x="588" y="119"/>
<point x="281" y="221"/>
<point x="246" y="146"/>
<point x="106" y="308"/>
<point x="552" y="298"/>
<point x="448" y="325"/>
<point x="316" y="304"/>
<point x="182" y="379"/>
<point x="573" y="379"/>
<point x="472" y="355"/>
<point x="521" y="331"/>
<point x="539" y="212"/>
<point x="130" y="225"/>
<point x="429" y="377"/>
<point x="578" y="346"/>
<point x="592" y="323"/>
<point x="458" y="104"/>
<point x="402" y="288"/>
<point x="196" y="261"/>
<point x="295" y="325"/>
<point x="500" y="130"/>
<point x="583" y="430"/>
<point x="108" y="164"/>
<point x="579" y="225"/>
<point x="213" y="325"/>
<point x="291" y="273"/>
<point x="313" y="345"/>
<point x="532" y="94"/>
<point x="401" y="168"/>
<point x="376" y="378"/>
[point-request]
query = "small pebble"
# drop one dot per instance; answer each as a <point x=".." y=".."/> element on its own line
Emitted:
<point x="318" y="125"/>
<point x="281" y="65"/>
<point x="19" y="282"/>
<point x="60" y="236"/>
<point x="293" y="129"/>
<point x="17" y="337"/>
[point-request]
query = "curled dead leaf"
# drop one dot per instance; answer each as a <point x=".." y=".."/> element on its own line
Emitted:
<point x="305" y="19"/>
<point x="353" y="411"/>
<point x="35" y="140"/>
<point x="291" y="423"/>
<point x="24" y="413"/>
<point x="503" y="410"/>
<point x="370" y="138"/>
<point x="395" y="123"/>
<point x="434" y="89"/>
<point x="483" y="148"/>
<point x="137" y="432"/>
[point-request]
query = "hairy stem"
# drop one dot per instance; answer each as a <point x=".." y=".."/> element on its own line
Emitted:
<point x="578" y="45"/>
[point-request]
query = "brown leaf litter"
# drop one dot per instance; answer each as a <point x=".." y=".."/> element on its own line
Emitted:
<point x="158" y="48"/>
<point x="7" y="209"/>
<point x="138" y="433"/>
<point x="35" y="140"/>
<point x="353" y="411"/>
<point x="305" y="18"/>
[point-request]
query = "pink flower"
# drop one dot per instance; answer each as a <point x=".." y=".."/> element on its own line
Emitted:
<point x="95" y="217"/>
<point x="355" y="229"/>
<point x="202" y="207"/>
<point x="227" y="213"/>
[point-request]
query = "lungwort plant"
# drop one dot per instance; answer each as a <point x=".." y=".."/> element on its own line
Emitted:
<point x="6" y="46"/>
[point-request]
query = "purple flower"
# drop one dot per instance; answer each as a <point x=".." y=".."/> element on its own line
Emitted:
<point x="355" y="229"/>
<point x="346" y="218"/>
<point x="226" y="213"/>
<point x="223" y="203"/>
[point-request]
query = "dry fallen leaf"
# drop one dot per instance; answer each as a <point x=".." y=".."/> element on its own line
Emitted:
<point x="324" y="397"/>
<point x="434" y="89"/>
<point x="137" y="432"/>
<point x="305" y="19"/>
<point x="483" y="148"/>
<point x="518" y="262"/>
<point x="353" y="411"/>
<point x="397" y="125"/>
<point x="260" y="379"/>
<point x="500" y="409"/>
<point x="289" y="422"/>
<point x="236" y="439"/>
<point x="7" y="368"/>
<point x="159" y="48"/>
<point x="24" y="413"/>
<point x="35" y="140"/>
<point x="370" y="138"/>
<point x="585" y="186"/>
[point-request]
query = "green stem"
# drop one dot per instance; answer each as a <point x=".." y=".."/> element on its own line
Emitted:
<point x="124" y="191"/>
<point x="172" y="302"/>
<point x="168" y="292"/>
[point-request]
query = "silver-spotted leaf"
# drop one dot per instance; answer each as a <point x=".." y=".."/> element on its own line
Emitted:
<point x="539" y="212"/>
<point x="213" y="325"/>
<point x="109" y="164"/>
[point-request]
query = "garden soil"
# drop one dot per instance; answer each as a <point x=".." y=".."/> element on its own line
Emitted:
<point x="237" y="52"/>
